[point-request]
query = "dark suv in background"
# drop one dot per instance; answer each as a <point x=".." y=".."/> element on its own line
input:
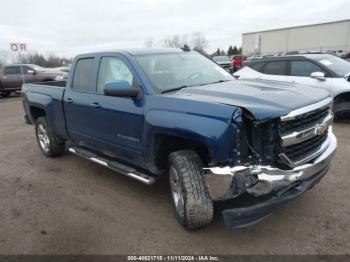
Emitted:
<point x="12" y="77"/>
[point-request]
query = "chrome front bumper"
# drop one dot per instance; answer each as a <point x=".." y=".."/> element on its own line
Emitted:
<point x="220" y="180"/>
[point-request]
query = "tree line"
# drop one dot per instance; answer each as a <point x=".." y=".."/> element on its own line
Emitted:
<point x="230" y="51"/>
<point x="34" y="58"/>
<point x="41" y="60"/>
<point x="195" y="41"/>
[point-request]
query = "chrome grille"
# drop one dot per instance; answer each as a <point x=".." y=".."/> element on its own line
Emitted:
<point x="304" y="121"/>
<point x="302" y="150"/>
<point x="303" y="133"/>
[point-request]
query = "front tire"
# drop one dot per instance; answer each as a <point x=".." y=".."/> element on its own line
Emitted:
<point x="193" y="206"/>
<point x="49" y="143"/>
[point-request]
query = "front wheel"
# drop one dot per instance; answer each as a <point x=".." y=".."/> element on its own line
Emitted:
<point x="193" y="206"/>
<point x="49" y="143"/>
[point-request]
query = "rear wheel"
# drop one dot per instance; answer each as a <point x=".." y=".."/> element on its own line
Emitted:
<point x="49" y="143"/>
<point x="193" y="205"/>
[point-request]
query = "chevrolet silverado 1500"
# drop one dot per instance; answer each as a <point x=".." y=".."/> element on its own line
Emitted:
<point x="152" y="112"/>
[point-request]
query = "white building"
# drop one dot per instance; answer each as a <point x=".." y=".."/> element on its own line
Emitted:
<point x="331" y="36"/>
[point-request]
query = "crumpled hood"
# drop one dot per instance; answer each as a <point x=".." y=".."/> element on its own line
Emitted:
<point x="264" y="99"/>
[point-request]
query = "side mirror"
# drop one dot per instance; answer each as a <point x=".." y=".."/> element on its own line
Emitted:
<point x="318" y="75"/>
<point x="121" y="89"/>
<point x="31" y="72"/>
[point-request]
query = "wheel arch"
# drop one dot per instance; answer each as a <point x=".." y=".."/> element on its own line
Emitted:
<point x="165" y="144"/>
<point x="341" y="102"/>
<point x="343" y="95"/>
<point x="36" y="112"/>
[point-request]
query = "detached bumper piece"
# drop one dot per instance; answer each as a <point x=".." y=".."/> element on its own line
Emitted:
<point x="248" y="216"/>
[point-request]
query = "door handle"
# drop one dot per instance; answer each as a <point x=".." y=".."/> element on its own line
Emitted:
<point x="69" y="100"/>
<point x="96" y="105"/>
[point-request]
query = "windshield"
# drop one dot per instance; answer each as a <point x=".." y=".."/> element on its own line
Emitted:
<point x="221" y="59"/>
<point x="180" y="70"/>
<point x="340" y="66"/>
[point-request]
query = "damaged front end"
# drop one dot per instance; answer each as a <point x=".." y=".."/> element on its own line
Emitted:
<point x="281" y="158"/>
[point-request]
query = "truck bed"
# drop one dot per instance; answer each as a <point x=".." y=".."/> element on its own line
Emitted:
<point x="52" y="83"/>
<point x="52" y="89"/>
<point x="48" y="96"/>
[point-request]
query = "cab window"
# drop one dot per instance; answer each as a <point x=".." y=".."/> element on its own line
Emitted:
<point x="303" y="68"/>
<point x="26" y="69"/>
<point x="276" y="68"/>
<point x="12" y="70"/>
<point x="83" y="76"/>
<point x="258" y="67"/>
<point x="113" y="69"/>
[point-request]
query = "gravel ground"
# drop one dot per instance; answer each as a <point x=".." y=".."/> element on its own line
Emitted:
<point x="68" y="205"/>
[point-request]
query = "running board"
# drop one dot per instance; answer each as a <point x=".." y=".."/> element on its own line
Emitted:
<point x="113" y="165"/>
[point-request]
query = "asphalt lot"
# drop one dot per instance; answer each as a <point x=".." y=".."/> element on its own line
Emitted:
<point x="68" y="205"/>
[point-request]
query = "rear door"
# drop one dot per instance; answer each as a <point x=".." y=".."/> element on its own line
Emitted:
<point x="78" y="102"/>
<point x="118" y="121"/>
<point x="12" y="77"/>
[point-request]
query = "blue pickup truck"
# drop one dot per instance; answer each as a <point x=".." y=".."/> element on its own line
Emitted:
<point x="148" y="113"/>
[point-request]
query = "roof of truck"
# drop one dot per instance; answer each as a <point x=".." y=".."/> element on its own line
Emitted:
<point x="142" y="51"/>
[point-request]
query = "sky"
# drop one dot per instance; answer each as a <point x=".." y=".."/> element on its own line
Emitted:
<point x="69" y="27"/>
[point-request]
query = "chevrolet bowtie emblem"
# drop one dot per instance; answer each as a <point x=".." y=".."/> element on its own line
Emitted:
<point x="321" y="129"/>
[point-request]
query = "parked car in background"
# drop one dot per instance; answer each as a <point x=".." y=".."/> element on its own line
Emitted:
<point x="338" y="53"/>
<point x="148" y="113"/>
<point x="324" y="71"/>
<point x="64" y="69"/>
<point x="237" y="62"/>
<point x="250" y="58"/>
<point x="224" y="61"/>
<point x="346" y="56"/>
<point x="12" y="77"/>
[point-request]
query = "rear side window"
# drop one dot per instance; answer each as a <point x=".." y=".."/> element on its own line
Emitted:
<point x="12" y="70"/>
<point x="83" y="75"/>
<point x="303" y="68"/>
<point x="276" y="68"/>
<point x="258" y="67"/>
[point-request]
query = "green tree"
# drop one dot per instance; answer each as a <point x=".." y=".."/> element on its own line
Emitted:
<point x="230" y="51"/>
<point x="235" y="50"/>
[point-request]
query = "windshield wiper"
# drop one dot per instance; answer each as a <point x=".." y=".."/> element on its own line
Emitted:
<point x="184" y="86"/>
<point x="174" y="89"/>
<point x="219" y="81"/>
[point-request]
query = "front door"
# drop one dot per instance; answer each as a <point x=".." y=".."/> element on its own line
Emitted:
<point x="118" y="121"/>
<point x="29" y="75"/>
<point x="300" y="71"/>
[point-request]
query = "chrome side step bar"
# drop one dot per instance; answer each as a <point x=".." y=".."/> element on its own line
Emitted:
<point x="114" y="165"/>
